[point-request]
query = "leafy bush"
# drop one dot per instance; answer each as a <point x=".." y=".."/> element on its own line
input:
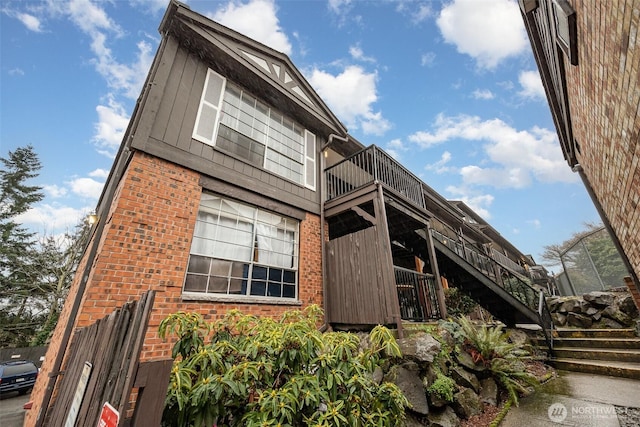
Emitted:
<point x="491" y="347"/>
<point x="443" y="387"/>
<point x="458" y="303"/>
<point x="265" y="372"/>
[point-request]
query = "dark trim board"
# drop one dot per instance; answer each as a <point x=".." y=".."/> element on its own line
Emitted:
<point x="226" y="172"/>
<point x="243" y="195"/>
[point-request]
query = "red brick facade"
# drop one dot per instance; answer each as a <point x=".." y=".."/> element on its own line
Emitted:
<point x="604" y="98"/>
<point x="145" y="245"/>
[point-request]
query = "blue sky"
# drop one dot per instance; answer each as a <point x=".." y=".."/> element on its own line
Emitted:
<point x="449" y="88"/>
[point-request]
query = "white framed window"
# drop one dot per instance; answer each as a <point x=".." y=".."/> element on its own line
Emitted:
<point x="237" y="122"/>
<point x="566" y="29"/>
<point x="242" y="250"/>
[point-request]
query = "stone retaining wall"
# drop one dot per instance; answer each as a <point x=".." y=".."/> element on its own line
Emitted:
<point x="603" y="310"/>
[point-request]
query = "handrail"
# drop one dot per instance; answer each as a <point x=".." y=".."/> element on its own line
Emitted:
<point x="416" y="294"/>
<point x="370" y="165"/>
<point x="509" y="281"/>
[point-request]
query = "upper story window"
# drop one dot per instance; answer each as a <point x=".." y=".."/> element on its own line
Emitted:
<point x="241" y="250"/>
<point x="566" y="29"/>
<point x="235" y="121"/>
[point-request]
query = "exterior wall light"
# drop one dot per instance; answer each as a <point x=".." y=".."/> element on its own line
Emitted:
<point x="92" y="218"/>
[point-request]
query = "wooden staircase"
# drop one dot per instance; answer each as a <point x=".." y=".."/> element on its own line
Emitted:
<point x="613" y="352"/>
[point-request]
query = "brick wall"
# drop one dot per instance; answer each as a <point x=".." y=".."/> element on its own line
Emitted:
<point x="604" y="94"/>
<point x="145" y="245"/>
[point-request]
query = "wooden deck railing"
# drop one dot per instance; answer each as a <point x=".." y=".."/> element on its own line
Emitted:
<point x="416" y="295"/>
<point x="373" y="165"/>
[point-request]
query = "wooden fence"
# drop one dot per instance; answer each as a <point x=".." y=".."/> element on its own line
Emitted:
<point x="103" y="366"/>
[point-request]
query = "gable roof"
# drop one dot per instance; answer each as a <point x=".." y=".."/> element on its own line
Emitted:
<point x="252" y="63"/>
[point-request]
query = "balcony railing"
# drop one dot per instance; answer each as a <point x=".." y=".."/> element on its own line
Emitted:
<point x="417" y="295"/>
<point x="373" y="165"/>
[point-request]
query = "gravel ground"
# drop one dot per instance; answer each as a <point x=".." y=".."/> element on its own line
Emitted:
<point x="628" y="417"/>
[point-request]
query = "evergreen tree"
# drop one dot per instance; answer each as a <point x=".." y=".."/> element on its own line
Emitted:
<point x="17" y="244"/>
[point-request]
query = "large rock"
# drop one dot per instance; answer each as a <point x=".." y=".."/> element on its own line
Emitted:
<point x="591" y="311"/>
<point x="489" y="391"/>
<point x="466" y="403"/>
<point x="518" y="337"/>
<point x="466" y="360"/>
<point x="553" y="303"/>
<point x="444" y="418"/>
<point x="407" y="378"/>
<point x="377" y="375"/>
<point x="575" y="305"/>
<point x="421" y="347"/>
<point x="613" y="313"/>
<point x="559" y="319"/>
<point x="610" y="323"/>
<point x="464" y="378"/>
<point x="412" y="421"/>
<point x="579" y="321"/>
<point x="627" y="306"/>
<point x="601" y="299"/>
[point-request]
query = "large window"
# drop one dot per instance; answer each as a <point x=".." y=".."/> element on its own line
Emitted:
<point x="237" y="122"/>
<point x="241" y="250"/>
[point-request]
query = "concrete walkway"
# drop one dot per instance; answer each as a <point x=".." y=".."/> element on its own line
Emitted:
<point x="575" y="399"/>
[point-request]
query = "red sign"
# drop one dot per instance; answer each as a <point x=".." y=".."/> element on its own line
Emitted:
<point x="109" y="417"/>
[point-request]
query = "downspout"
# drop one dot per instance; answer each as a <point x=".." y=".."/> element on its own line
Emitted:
<point x="323" y="251"/>
<point x="578" y="168"/>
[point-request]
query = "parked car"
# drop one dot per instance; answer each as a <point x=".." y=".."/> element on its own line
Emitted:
<point x="17" y="375"/>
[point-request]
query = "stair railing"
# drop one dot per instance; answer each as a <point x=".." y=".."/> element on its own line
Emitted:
<point x="509" y="281"/>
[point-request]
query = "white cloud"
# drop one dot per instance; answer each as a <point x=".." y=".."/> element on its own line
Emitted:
<point x="52" y="218"/>
<point x="441" y="165"/>
<point x="535" y="223"/>
<point x="16" y="72"/>
<point x="423" y="13"/>
<point x="152" y="5"/>
<point x="488" y="31"/>
<point x="516" y="156"/>
<point x="351" y="95"/>
<point x="485" y="94"/>
<point x="357" y="54"/>
<point x="341" y="9"/>
<point x="395" y="147"/>
<point x="531" y="85"/>
<point x="480" y="203"/>
<point x="86" y="187"/>
<point x="256" y="19"/>
<point x="427" y="59"/>
<point x="112" y="123"/>
<point x="90" y="17"/>
<point x="99" y="173"/>
<point x="54" y="191"/>
<point x="127" y="78"/>
<point x="30" y="21"/>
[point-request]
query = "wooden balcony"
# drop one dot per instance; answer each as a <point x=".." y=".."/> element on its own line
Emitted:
<point x="369" y="166"/>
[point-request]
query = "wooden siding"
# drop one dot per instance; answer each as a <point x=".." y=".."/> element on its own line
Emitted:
<point x="172" y="126"/>
<point x="549" y="57"/>
<point x="356" y="277"/>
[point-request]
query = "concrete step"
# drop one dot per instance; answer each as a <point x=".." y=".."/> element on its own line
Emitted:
<point x="600" y="367"/>
<point x="595" y="333"/>
<point x="620" y="343"/>
<point x="610" y="354"/>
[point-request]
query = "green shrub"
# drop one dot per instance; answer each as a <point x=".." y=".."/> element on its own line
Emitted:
<point x="458" y="303"/>
<point x="491" y="347"/>
<point x="264" y="372"/>
<point x="443" y="387"/>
